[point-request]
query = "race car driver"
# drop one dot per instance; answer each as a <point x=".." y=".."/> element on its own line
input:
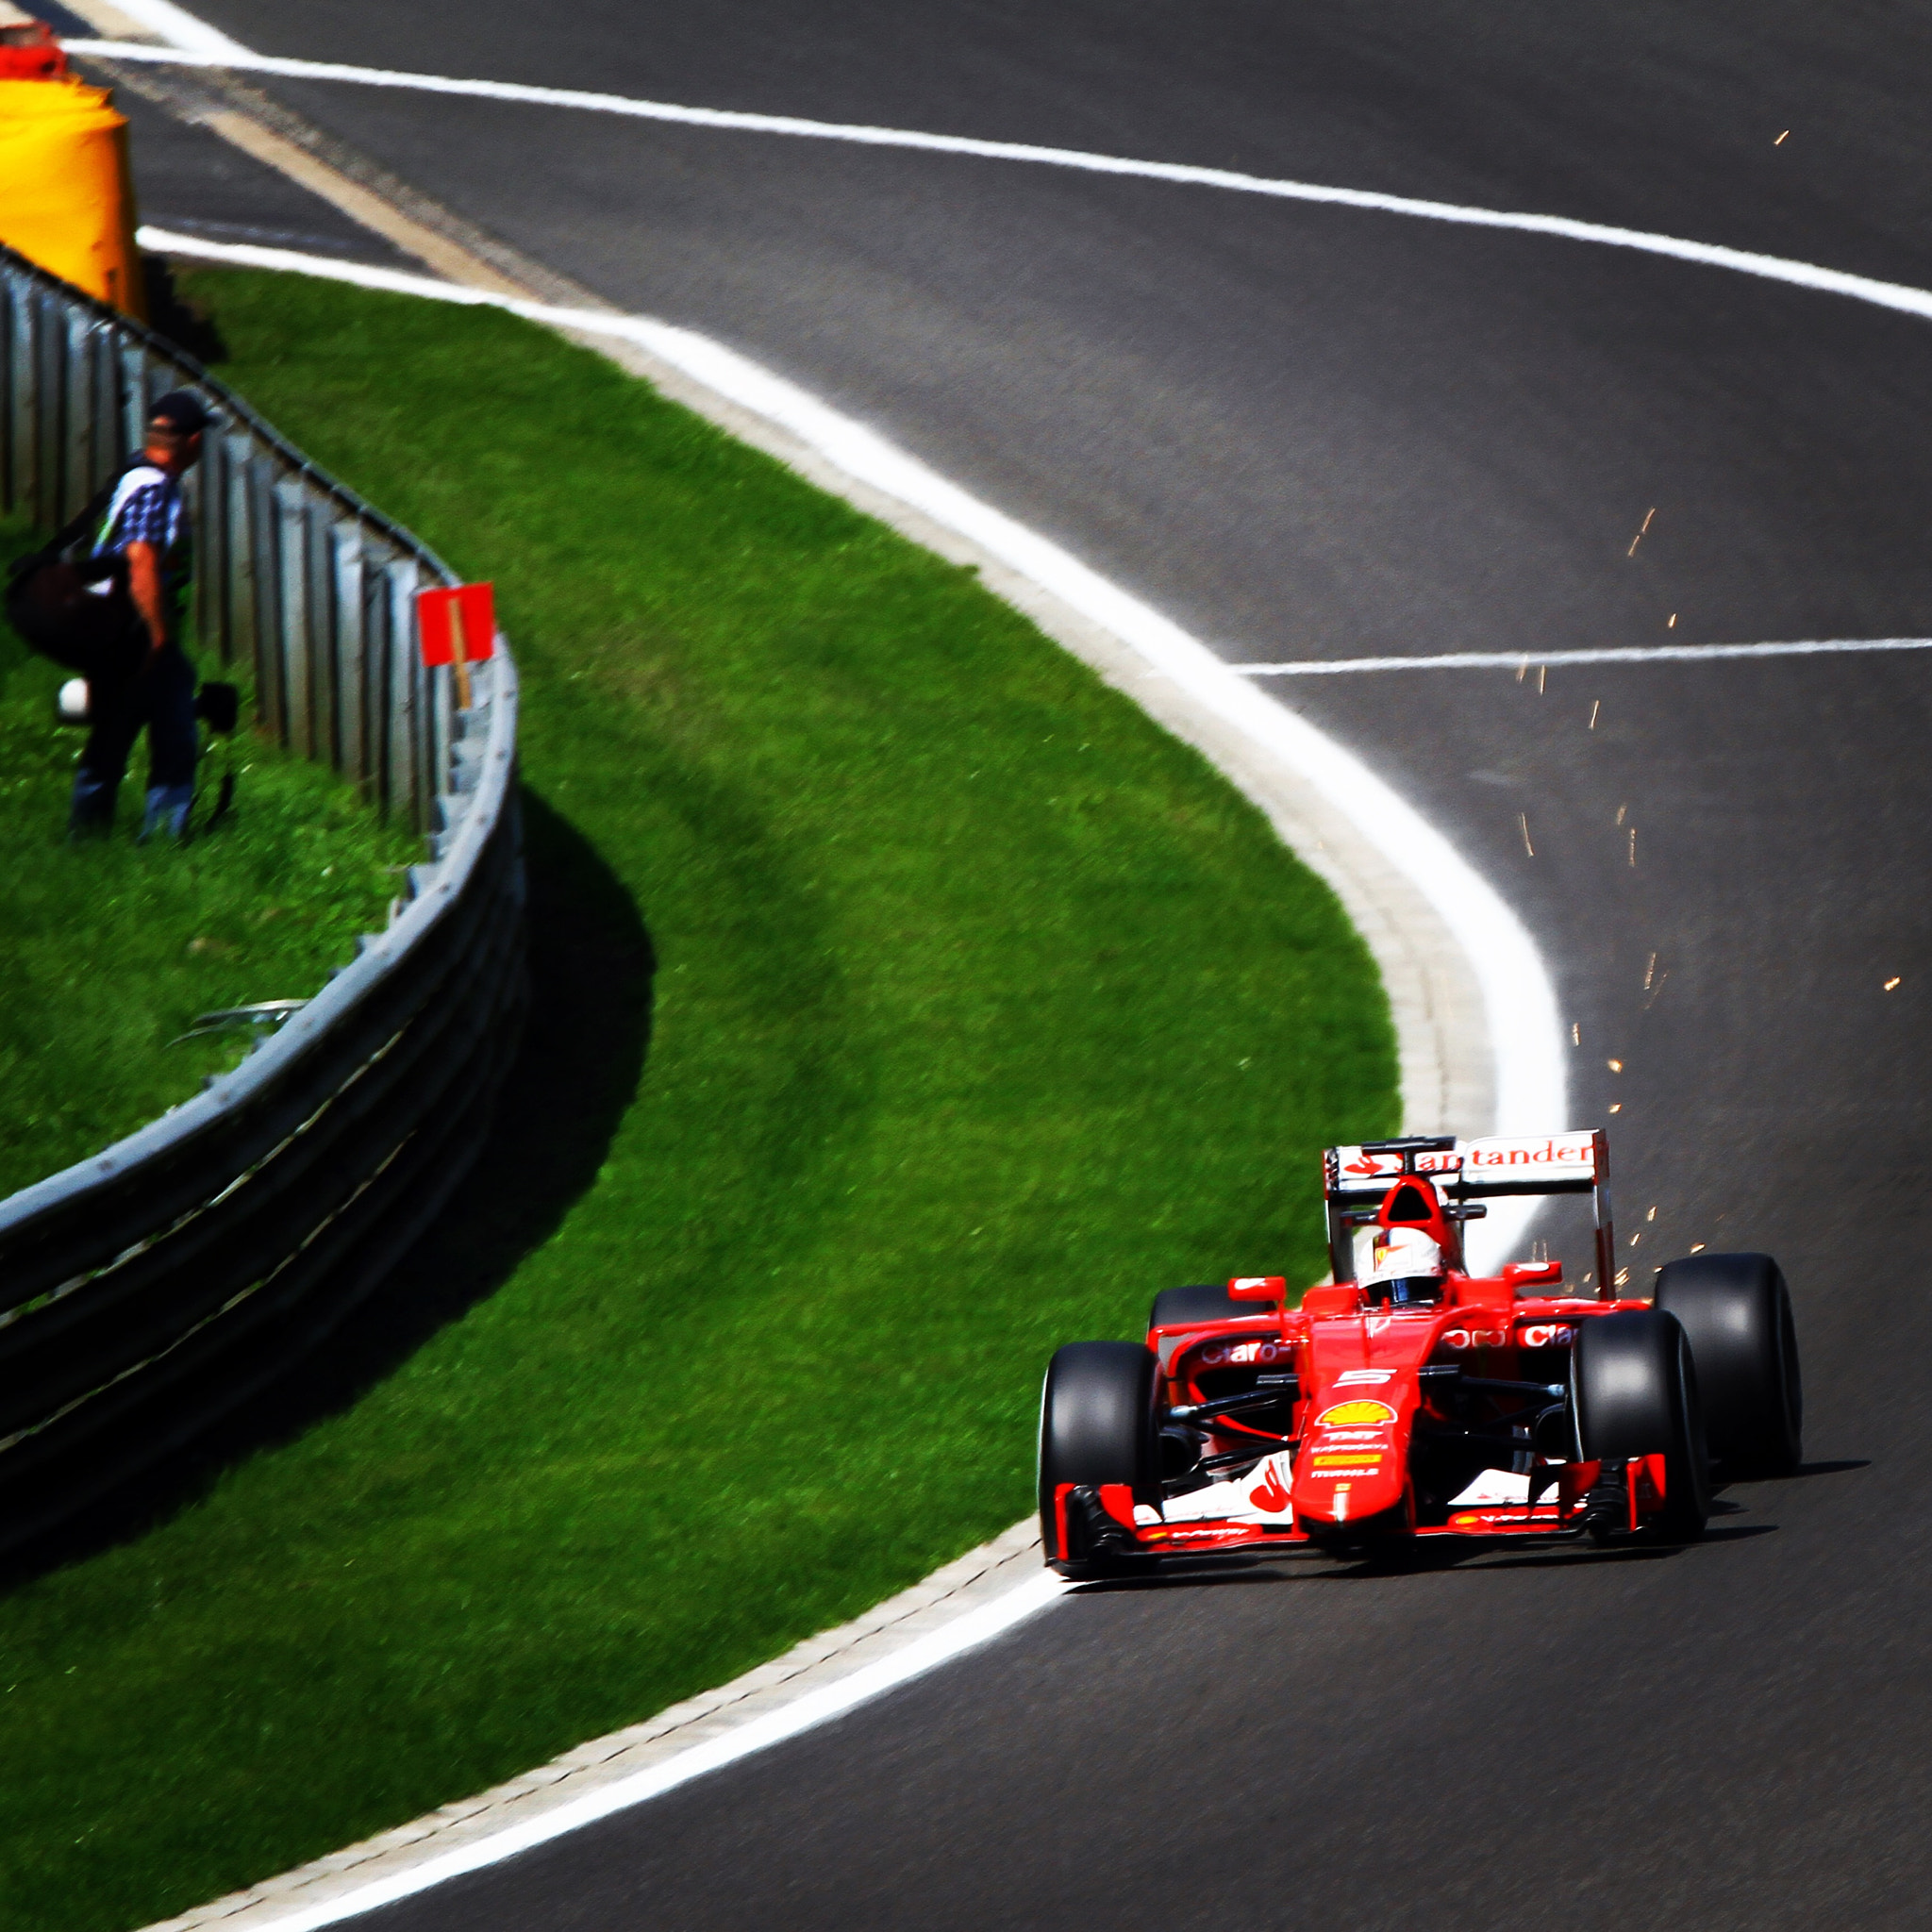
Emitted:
<point x="1405" y="1269"/>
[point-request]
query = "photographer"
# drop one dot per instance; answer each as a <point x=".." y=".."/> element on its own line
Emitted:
<point x="148" y="683"/>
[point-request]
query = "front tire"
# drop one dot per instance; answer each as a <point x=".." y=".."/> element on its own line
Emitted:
<point x="1096" y="1427"/>
<point x="1737" y="1312"/>
<point x="1633" y="1391"/>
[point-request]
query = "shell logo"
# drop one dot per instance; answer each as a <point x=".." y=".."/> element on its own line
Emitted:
<point x="1345" y="1415"/>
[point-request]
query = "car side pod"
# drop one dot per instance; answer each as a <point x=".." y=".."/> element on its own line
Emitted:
<point x="1633" y="1393"/>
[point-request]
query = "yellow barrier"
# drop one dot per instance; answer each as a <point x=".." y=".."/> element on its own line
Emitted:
<point x="66" y="192"/>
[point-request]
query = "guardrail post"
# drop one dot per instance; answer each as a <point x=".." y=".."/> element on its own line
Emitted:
<point x="212" y="568"/>
<point x="17" y="402"/>
<point x="378" y="687"/>
<point x="50" y="338"/>
<point x="104" y="364"/>
<point x="265" y="524"/>
<point x="292" y="652"/>
<point x="77" y="412"/>
<point x="238" y="555"/>
<point x="318" y="555"/>
<point x="351" y="654"/>
<point x="408" y="788"/>
<point x="443" y="735"/>
<point x="134" y="397"/>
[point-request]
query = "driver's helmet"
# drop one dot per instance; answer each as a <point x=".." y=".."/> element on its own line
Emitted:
<point x="1405" y="1266"/>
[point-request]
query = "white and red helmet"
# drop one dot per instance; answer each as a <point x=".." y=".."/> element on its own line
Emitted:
<point x="1402" y="1254"/>
<point x="1409" y="1246"/>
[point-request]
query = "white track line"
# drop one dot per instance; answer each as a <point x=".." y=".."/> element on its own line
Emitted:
<point x="1743" y="261"/>
<point x="1618" y="653"/>
<point x="180" y="28"/>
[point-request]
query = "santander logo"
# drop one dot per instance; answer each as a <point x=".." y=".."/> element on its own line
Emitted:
<point x="1548" y="1153"/>
<point x="1377" y="1165"/>
<point x="1269" y="1497"/>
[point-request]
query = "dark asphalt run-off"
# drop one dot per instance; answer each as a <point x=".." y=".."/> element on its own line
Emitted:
<point x="1308" y="431"/>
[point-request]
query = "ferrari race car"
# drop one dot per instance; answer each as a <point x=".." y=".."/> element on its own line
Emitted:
<point x="1408" y="1398"/>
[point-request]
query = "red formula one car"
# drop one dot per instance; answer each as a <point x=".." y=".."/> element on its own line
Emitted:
<point x="1407" y="1398"/>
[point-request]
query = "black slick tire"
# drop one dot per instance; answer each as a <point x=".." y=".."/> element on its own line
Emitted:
<point x="1737" y="1312"/>
<point x="1633" y="1391"/>
<point x="1097" y="1426"/>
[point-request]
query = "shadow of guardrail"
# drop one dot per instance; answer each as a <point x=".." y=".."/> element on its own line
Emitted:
<point x="578" y="1068"/>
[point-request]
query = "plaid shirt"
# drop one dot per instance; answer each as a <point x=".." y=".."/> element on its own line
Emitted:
<point x="148" y="508"/>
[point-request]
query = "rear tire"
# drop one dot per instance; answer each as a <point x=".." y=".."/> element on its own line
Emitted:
<point x="1207" y="1301"/>
<point x="1633" y="1391"/>
<point x="1737" y="1314"/>
<point x="1097" y="1426"/>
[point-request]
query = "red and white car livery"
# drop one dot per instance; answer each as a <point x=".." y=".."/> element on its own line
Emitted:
<point x="1393" y="1405"/>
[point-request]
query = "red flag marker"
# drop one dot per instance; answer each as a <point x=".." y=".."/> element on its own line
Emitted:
<point x="457" y="628"/>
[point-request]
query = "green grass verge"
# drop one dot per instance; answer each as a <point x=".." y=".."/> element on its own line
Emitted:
<point x="111" y="949"/>
<point x="907" y="1005"/>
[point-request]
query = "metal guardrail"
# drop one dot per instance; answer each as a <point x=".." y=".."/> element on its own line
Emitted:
<point x="145" y="1291"/>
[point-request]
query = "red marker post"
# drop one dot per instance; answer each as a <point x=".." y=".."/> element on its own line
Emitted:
<point x="457" y="628"/>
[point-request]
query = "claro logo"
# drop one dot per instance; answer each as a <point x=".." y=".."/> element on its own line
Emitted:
<point x="1222" y="1354"/>
<point x="1545" y="1335"/>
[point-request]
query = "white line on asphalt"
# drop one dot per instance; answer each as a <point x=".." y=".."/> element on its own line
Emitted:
<point x="181" y="27"/>
<point x="1519" y="1001"/>
<point x="1617" y="654"/>
<point x="1743" y="261"/>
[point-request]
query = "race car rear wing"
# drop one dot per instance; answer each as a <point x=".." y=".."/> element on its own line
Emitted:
<point x="1353" y="1180"/>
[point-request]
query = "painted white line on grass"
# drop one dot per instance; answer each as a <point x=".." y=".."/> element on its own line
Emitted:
<point x="1519" y="1001"/>
<point x="964" y="1633"/>
<point x="1773" y="268"/>
<point x="1617" y="654"/>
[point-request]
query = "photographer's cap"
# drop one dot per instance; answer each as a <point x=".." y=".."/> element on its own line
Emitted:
<point x="181" y="409"/>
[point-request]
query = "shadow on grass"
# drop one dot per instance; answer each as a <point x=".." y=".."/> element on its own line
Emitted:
<point x="577" y="1067"/>
<point x="187" y="323"/>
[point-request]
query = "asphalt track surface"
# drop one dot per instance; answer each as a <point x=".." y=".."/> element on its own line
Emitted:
<point x="1314" y="432"/>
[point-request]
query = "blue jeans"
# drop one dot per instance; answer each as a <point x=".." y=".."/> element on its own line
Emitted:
<point x="159" y="696"/>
